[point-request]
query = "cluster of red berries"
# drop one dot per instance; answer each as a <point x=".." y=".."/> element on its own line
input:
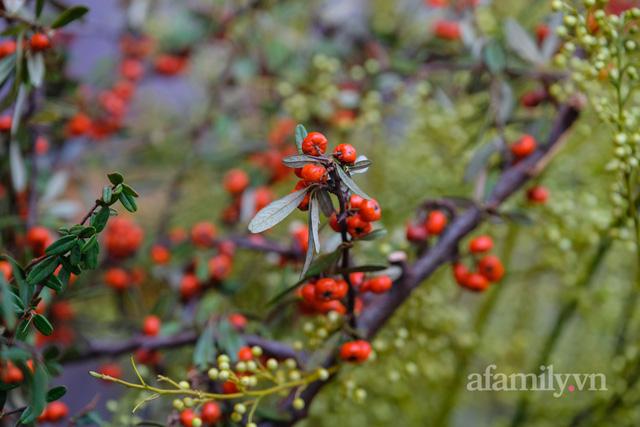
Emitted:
<point x="327" y="294"/>
<point x="489" y="268"/>
<point x="11" y="374"/>
<point x="361" y="214"/>
<point x="122" y="237"/>
<point x="433" y="224"/>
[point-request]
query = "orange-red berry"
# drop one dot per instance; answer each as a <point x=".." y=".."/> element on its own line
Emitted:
<point x="447" y="30"/>
<point x="480" y="244"/>
<point x="314" y="144"/>
<point x="355" y="351"/>
<point x="117" y="278"/>
<point x="357" y="227"/>
<point x="436" y="222"/>
<point x="151" y="325"/>
<point x="379" y="284"/>
<point x="538" y="194"/>
<point x="524" y="147"/>
<point x="236" y="181"/>
<point x="189" y="286"/>
<point x="245" y="354"/>
<point x="346" y="153"/>
<point x="370" y="210"/>
<point x="39" y="42"/>
<point x="210" y="413"/>
<point x="327" y="289"/>
<point x="203" y="234"/>
<point x="314" y="173"/>
<point x="491" y="268"/>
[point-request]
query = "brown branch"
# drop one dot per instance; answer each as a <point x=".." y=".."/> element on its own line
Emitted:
<point x="111" y="349"/>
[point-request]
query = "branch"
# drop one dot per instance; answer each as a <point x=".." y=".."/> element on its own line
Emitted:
<point x="380" y="310"/>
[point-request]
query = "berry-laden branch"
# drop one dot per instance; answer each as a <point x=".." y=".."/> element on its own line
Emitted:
<point x="380" y="310"/>
<point x="76" y="250"/>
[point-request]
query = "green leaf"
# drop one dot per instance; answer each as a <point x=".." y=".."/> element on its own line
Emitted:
<point x="115" y="178"/>
<point x="39" y="7"/>
<point x="100" y="219"/>
<point x="87" y="232"/>
<point x="350" y="183"/>
<point x="480" y="159"/>
<point x="36" y="68"/>
<point x="42" y="324"/>
<point x="6" y="303"/>
<point x="314" y="220"/>
<point x="204" y="353"/>
<point x="90" y="242"/>
<point x="326" y="205"/>
<point x="56" y="393"/>
<point x="62" y="245"/>
<point x="90" y="258"/>
<point x="54" y="283"/>
<point x="69" y="15"/>
<point x="128" y="202"/>
<point x="69" y="266"/>
<point x="299" y="160"/>
<point x="301" y="134"/>
<point x="228" y="339"/>
<point x="38" y="385"/>
<point x="521" y="42"/>
<point x="360" y="165"/>
<point x="129" y="190"/>
<point x="276" y="211"/>
<point x="106" y="194"/>
<point x="494" y="56"/>
<point x="42" y="270"/>
<point x="6" y="67"/>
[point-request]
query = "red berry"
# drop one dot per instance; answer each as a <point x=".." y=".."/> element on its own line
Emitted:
<point x="238" y="321"/>
<point x="151" y="325"/>
<point x="460" y="273"/>
<point x="39" y="42"/>
<point x="538" y="194"/>
<point x="476" y="282"/>
<point x="314" y="144"/>
<point x="330" y="289"/>
<point x="5" y="123"/>
<point x="117" y="279"/>
<point x="186" y="417"/>
<point x="236" y="181"/>
<point x="533" y="98"/>
<point x="355" y="201"/>
<point x="262" y="197"/>
<point x="220" y="267"/>
<point x="447" y="30"/>
<point x="169" y="65"/>
<point x="436" y="222"/>
<point x="7" y="47"/>
<point x="245" y="354"/>
<point x="111" y="370"/>
<point x="346" y="153"/>
<point x="203" y="234"/>
<point x="334" y="224"/>
<point x="308" y="292"/>
<point x="78" y="125"/>
<point x="56" y="411"/>
<point x="416" y="233"/>
<point x="160" y="254"/>
<point x="378" y="285"/>
<point x="229" y="387"/>
<point x="314" y="173"/>
<point x="542" y="32"/>
<point x="355" y="351"/>
<point x="524" y="146"/>
<point x="370" y="210"/>
<point x="210" y="413"/>
<point x="480" y="244"/>
<point x="491" y="268"/>
<point x="357" y="227"/>
<point x="189" y="286"/>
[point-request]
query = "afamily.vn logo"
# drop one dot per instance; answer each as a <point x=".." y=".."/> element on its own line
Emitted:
<point x="546" y="380"/>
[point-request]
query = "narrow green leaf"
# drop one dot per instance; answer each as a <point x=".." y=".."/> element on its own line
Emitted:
<point x="54" y="283"/>
<point x="62" y="245"/>
<point x="129" y="190"/>
<point x="69" y="15"/>
<point x="299" y="161"/>
<point x="42" y="324"/>
<point x="276" y="211"/>
<point x="204" y="353"/>
<point x="99" y="220"/>
<point x="6" y="303"/>
<point x="106" y="194"/>
<point x="350" y="183"/>
<point x="326" y="205"/>
<point x="128" y="202"/>
<point x="42" y="270"/>
<point x="115" y="178"/>
<point x="301" y="134"/>
<point x="56" y="393"/>
<point x="39" y="7"/>
<point x="314" y="220"/>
